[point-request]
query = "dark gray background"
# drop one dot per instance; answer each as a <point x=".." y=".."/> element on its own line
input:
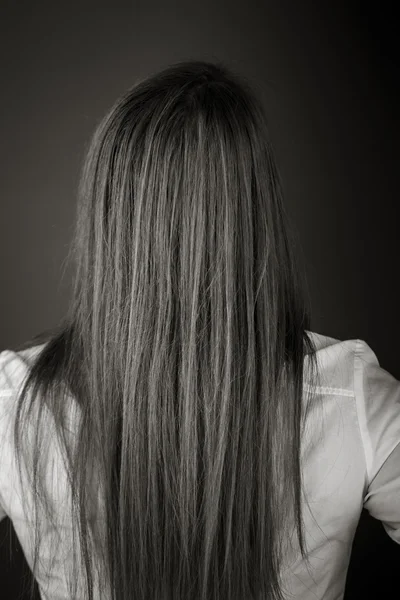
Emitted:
<point x="329" y="76"/>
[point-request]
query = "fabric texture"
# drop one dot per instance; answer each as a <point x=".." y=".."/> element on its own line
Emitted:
<point x="350" y="460"/>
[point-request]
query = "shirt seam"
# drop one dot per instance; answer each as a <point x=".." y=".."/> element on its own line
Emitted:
<point x="328" y="390"/>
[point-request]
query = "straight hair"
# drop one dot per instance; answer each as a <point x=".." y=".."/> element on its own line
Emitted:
<point x="174" y="387"/>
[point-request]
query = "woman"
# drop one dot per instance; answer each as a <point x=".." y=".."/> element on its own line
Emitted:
<point x="185" y="434"/>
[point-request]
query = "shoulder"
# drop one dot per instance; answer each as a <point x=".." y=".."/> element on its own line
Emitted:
<point x="377" y="394"/>
<point x="14" y="367"/>
<point x="352" y="368"/>
<point x="335" y="359"/>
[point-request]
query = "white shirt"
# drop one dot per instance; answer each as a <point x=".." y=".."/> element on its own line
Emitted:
<point x="351" y="460"/>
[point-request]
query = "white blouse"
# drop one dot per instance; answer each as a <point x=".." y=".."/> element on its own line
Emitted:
<point x="351" y="460"/>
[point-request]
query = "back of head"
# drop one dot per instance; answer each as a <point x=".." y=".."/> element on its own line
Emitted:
<point x="184" y="342"/>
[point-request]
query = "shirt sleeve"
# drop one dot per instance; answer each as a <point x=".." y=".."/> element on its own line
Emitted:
<point x="377" y="395"/>
<point x="2" y="511"/>
<point x="4" y="452"/>
<point x="7" y="409"/>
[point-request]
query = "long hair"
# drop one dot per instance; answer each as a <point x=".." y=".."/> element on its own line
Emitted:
<point x="174" y="386"/>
